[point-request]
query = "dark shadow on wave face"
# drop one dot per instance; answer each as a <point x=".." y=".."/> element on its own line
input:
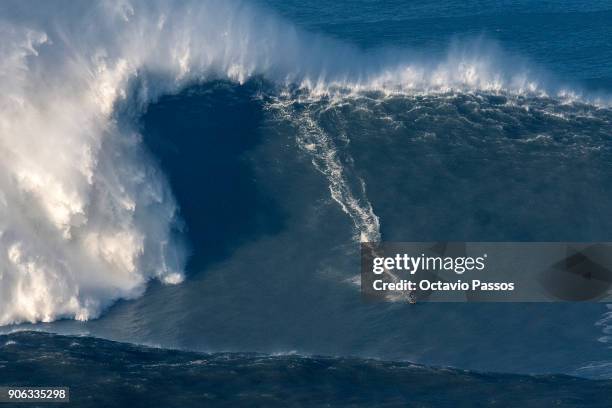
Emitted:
<point x="201" y="138"/>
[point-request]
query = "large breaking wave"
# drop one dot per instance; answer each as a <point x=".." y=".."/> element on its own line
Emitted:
<point x="86" y="217"/>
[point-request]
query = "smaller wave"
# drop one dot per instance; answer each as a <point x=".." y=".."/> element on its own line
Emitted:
<point x="598" y="370"/>
<point x="157" y="376"/>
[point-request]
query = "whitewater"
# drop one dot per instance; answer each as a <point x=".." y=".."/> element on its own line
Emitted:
<point x="87" y="217"/>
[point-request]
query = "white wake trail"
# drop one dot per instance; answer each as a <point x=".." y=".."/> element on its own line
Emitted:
<point x="313" y="140"/>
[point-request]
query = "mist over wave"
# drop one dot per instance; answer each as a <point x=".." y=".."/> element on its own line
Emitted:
<point x="86" y="216"/>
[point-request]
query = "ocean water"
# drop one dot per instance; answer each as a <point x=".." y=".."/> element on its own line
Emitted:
<point x="171" y="378"/>
<point x="197" y="176"/>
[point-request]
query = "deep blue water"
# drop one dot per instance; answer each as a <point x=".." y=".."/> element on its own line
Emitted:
<point x="143" y="377"/>
<point x="569" y="38"/>
<point x="273" y="254"/>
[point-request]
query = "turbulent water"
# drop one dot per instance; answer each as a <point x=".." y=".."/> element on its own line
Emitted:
<point x="176" y="379"/>
<point x="198" y="175"/>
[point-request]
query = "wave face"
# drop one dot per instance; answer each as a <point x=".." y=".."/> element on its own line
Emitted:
<point x="353" y="142"/>
<point x="146" y="376"/>
<point x="86" y="216"/>
<point x="291" y="187"/>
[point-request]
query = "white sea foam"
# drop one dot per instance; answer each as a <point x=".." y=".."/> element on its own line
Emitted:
<point x="85" y="215"/>
<point x="320" y="146"/>
<point x="606" y="326"/>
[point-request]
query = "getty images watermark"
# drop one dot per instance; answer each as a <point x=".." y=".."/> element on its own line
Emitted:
<point x="486" y="271"/>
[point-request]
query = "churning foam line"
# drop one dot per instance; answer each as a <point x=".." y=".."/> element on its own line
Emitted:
<point x="320" y="146"/>
<point x="314" y="141"/>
